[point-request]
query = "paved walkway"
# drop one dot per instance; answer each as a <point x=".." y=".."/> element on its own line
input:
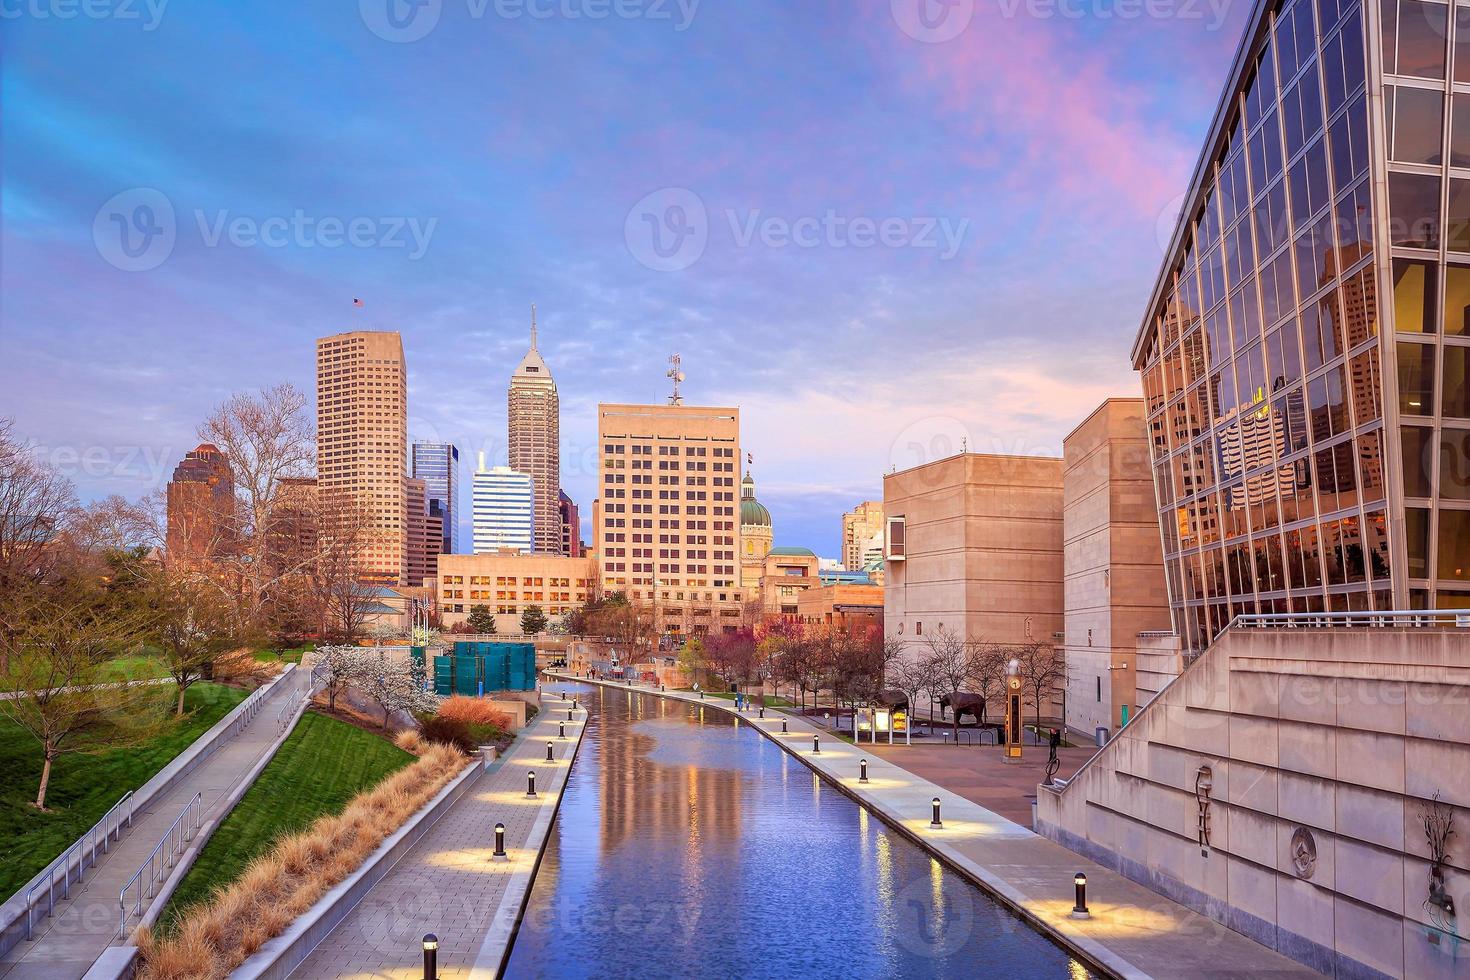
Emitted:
<point x="980" y="773"/>
<point x="1133" y="932"/>
<point x="449" y="884"/>
<point x="84" y="925"/>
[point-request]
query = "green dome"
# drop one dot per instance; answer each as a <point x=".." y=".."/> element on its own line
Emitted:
<point x="752" y="511"/>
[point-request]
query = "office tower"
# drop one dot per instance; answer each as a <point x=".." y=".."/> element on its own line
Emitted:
<point x="858" y="527"/>
<point x="201" y="505"/>
<point x="1311" y="444"/>
<point x="362" y="441"/>
<point x="534" y="431"/>
<point x="571" y="527"/>
<point x="668" y="532"/>
<point x="437" y="464"/>
<point x="503" y="510"/>
<point x="421" y="559"/>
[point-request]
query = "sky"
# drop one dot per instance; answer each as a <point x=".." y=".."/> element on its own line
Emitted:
<point x="885" y="229"/>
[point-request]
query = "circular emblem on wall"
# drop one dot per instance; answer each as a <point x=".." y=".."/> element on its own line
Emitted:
<point x="1303" y="852"/>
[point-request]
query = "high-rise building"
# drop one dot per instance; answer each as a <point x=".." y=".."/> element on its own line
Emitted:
<point x="666" y="530"/>
<point x="534" y="434"/>
<point x="571" y="526"/>
<point x="756" y="535"/>
<point x="362" y="441"/>
<point x="437" y="464"/>
<point x="504" y="510"/>
<point x="858" y="527"/>
<point x="423" y="554"/>
<point x="201" y="505"/>
<point x="1311" y="445"/>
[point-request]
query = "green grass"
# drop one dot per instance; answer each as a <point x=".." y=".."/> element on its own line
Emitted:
<point x="83" y="787"/>
<point x="323" y="764"/>
<point x="135" y="668"/>
<point x="772" y="700"/>
<point x="292" y="656"/>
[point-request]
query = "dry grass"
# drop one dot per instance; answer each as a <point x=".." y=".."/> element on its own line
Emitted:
<point x="473" y="711"/>
<point x="216" y="936"/>
<point x="410" y="741"/>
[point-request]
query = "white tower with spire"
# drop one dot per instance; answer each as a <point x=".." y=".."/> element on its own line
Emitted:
<point x="534" y="440"/>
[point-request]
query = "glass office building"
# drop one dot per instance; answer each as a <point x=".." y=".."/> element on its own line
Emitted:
<point x="1305" y="350"/>
<point x="437" y="464"/>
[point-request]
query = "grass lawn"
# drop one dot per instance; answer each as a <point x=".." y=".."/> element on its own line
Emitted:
<point x="772" y="700"/>
<point x="292" y="656"/>
<point x="83" y="787"/>
<point x="322" y="765"/>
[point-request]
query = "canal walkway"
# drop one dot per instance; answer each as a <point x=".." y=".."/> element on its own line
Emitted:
<point x="450" y="884"/>
<point x="1133" y="932"/>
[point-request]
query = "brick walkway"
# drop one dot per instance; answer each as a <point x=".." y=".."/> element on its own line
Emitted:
<point x="980" y="773"/>
<point x="67" y="943"/>
<point x="448" y="884"/>
<point x="1133" y="932"/>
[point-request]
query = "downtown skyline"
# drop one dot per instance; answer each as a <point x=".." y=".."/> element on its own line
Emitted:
<point x="889" y="352"/>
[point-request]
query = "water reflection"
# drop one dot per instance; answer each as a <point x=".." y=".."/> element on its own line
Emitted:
<point x="687" y="845"/>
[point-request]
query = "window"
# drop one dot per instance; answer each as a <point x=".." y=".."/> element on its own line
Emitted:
<point x="919" y="628"/>
<point x="1456" y="398"/>
<point x="1454" y="545"/>
<point x="1413" y="201"/>
<point x="897" y="544"/>
<point x="1454" y="464"/>
<point x="1416" y="531"/>
<point x="1422" y="32"/>
<point x="1416" y="379"/>
<point x="1416" y="444"/>
<point x="1413" y="295"/>
<point x="1418" y="124"/>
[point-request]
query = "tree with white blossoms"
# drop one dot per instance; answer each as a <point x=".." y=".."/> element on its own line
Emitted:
<point x="394" y="685"/>
<point x="337" y="667"/>
<point x="424" y="636"/>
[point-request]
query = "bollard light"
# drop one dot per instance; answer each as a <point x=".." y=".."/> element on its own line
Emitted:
<point x="499" y="841"/>
<point x="531" y="784"/>
<point x="569" y="713"/>
<point x="936" y="822"/>
<point x="561" y="729"/>
<point x="1079" y="911"/>
<point x="862" y="770"/>
<point x="816" y="745"/>
<point x="662" y="689"/>
<point x="762" y="710"/>
<point x="431" y="956"/>
<point x="701" y="695"/>
<point x="783" y="726"/>
<point x="549" y="756"/>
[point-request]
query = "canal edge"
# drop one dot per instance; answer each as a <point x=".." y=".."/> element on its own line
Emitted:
<point x="1097" y="957"/>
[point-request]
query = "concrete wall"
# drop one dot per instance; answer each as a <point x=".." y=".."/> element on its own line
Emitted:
<point x="1342" y="735"/>
<point x="984" y="549"/>
<point x="1114" y="570"/>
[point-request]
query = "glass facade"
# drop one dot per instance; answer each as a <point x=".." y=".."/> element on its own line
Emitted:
<point x="1275" y="406"/>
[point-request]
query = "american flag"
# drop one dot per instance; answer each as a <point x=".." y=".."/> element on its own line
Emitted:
<point x="356" y="302"/>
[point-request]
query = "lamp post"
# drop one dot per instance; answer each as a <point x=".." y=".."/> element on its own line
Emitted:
<point x="549" y="756"/>
<point x="499" y="841"/>
<point x="816" y="745"/>
<point x="431" y="956"/>
<point x="1079" y="911"/>
<point x="531" y="783"/>
<point x="936" y="823"/>
<point x="561" y="729"/>
<point x="783" y="726"/>
<point x="862" y="770"/>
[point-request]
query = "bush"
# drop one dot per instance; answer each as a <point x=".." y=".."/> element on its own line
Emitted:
<point x="410" y="741"/>
<point x="474" y="711"/>
<point x="448" y="731"/>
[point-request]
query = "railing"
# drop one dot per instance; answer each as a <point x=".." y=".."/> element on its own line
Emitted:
<point x="98" y="836"/>
<point x="1402" y="619"/>
<point x="155" y="869"/>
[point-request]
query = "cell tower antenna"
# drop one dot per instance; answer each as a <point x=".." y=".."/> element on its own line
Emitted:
<point x="676" y="375"/>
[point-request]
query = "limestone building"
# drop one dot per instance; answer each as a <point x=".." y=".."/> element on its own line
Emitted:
<point x="859" y="526"/>
<point x="509" y="581"/>
<point x="534" y="440"/>
<point x="756" y="535"/>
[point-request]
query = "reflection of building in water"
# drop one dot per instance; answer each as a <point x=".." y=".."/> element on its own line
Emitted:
<point x="652" y="799"/>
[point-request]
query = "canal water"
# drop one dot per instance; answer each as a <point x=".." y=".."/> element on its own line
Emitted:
<point x="688" y="845"/>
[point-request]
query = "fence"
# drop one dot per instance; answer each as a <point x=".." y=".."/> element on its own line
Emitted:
<point x="1401" y="619"/>
<point x="153" y="871"/>
<point x="108" y="829"/>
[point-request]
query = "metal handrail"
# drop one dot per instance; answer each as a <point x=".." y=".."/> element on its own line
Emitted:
<point x="179" y="833"/>
<point x="1410" y="618"/>
<point x="47" y="878"/>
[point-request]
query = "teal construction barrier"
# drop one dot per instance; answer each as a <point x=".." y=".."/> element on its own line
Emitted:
<point x="477" y="668"/>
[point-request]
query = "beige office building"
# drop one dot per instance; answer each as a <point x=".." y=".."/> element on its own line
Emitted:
<point x="508" y="582"/>
<point x="858" y="527"/>
<point x="534" y="441"/>
<point x="1113" y="561"/>
<point x="362" y="440"/>
<point x="424" y="544"/>
<point x="666" y="526"/>
<point x="974" y="544"/>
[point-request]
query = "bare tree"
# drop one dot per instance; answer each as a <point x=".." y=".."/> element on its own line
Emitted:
<point x="911" y="676"/>
<point x="1041" y="667"/>
<point x="988" y="672"/>
<point x="191" y="627"/>
<point x="950" y="665"/>
<point x="36" y="505"/>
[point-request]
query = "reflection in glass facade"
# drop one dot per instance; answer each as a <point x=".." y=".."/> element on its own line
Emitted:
<point x="1305" y="355"/>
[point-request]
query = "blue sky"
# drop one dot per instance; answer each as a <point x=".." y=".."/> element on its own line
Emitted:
<point x="876" y="238"/>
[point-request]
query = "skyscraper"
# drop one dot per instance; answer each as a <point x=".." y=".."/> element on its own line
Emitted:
<point x="423" y="554"/>
<point x="201" y="503"/>
<point x="667" y="529"/>
<point x="504" y="509"/>
<point x="437" y="464"/>
<point x="858" y="527"/>
<point x="571" y="527"/>
<point x="362" y="441"/>
<point x="534" y="435"/>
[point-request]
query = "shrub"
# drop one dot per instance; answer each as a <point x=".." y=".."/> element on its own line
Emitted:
<point x="475" y="711"/>
<point x="448" y="731"/>
<point x="410" y="741"/>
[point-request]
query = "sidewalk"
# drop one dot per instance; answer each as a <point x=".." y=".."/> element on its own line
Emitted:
<point x="68" y="942"/>
<point x="1133" y="932"/>
<point x="448" y="884"/>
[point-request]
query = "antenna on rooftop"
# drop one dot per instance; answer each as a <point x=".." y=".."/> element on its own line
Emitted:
<point x="676" y="375"/>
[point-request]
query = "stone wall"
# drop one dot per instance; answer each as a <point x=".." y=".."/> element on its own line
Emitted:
<point x="1324" y="748"/>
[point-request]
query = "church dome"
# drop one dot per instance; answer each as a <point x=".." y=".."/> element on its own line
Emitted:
<point x="752" y="511"/>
